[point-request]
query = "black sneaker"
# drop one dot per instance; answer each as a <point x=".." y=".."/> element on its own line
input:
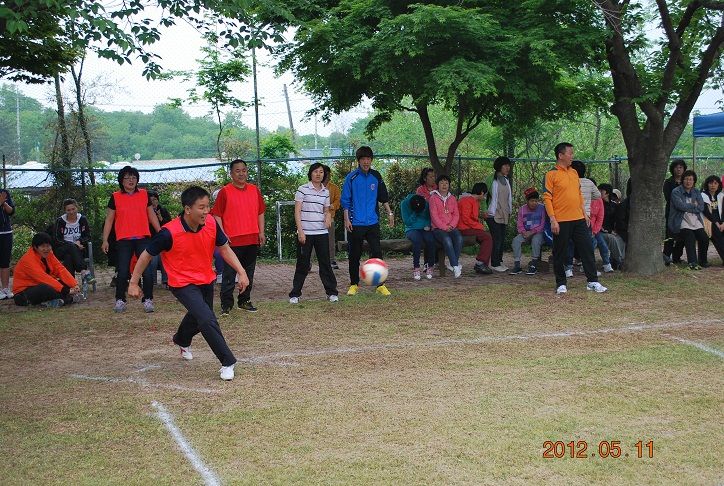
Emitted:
<point x="483" y="269"/>
<point x="335" y="266"/>
<point x="531" y="270"/>
<point x="225" y="312"/>
<point x="248" y="306"/>
<point x="516" y="269"/>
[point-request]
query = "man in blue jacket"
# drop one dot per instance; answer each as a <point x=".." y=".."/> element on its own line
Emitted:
<point x="362" y="190"/>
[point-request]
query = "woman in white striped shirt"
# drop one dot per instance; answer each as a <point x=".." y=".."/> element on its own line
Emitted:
<point x="311" y="204"/>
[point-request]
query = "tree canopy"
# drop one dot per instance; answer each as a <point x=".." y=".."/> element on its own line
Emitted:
<point x="507" y="62"/>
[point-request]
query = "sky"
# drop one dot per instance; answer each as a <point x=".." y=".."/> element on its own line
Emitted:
<point x="179" y="49"/>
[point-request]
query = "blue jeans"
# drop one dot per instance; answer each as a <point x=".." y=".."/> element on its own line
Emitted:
<point x="600" y="242"/>
<point x="156" y="265"/>
<point x="419" y="237"/>
<point x="452" y="242"/>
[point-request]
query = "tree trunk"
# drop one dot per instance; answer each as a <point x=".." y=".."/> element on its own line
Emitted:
<point x="63" y="177"/>
<point x="82" y="121"/>
<point x="647" y="166"/>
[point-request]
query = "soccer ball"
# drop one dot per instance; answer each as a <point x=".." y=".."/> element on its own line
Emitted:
<point x="373" y="272"/>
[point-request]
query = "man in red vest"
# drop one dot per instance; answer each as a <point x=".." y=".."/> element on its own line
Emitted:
<point x="239" y="211"/>
<point x="186" y="245"/>
<point x="130" y="212"/>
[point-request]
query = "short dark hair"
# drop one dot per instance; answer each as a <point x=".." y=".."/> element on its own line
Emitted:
<point x="152" y="193"/>
<point x="417" y="203"/>
<point x="442" y="177"/>
<point x="606" y="187"/>
<point x="711" y="178"/>
<point x="68" y="202"/>
<point x="479" y="188"/>
<point x="500" y="162"/>
<point x="676" y="162"/>
<point x="363" y="151"/>
<point x="423" y="175"/>
<point x="689" y="173"/>
<point x="127" y="170"/>
<point x="327" y="171"/>
<point x="192" y="194"/>
<point x="314" y="167"/>
<point x="236" y="161"/>
<point x="561" y="148"/>
<point x="41" y="239"/>
<point x="579" y="167"/>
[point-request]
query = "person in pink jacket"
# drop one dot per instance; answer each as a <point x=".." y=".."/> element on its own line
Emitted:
<point x="444" y="216"/>
<point x="597" y="212"/>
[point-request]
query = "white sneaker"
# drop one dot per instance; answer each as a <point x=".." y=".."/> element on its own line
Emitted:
<point x="562" y="289"/>
<point x="596" y="286"/>
<point x="457" y="271"/>
<point x="449" y="267"/>
<point x="416" y="274"/>
<point x="608" y="268"/>
<point x="186" y="353"/>
<point x="500" y="268"/>
<point x="148" y="306"/>
<point x="428" y="273"/>
<point x="569" y="273"/>
<point x="227" y="373"/>
<point x="293" y="300"/>
<point x="4" y="294"/>
<point x="333" y="298"/>
<point x="120" y="306"/>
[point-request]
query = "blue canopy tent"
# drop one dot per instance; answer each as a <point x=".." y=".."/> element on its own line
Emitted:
<point x="707" y="126"/>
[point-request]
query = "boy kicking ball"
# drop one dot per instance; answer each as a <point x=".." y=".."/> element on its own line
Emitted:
<point x="186" y="245"/>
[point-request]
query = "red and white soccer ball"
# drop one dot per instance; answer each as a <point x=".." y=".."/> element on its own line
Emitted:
<point x="373" y="272"/>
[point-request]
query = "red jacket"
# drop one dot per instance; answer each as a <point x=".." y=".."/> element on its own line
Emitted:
<point x="597" y="213"/>
<point x="30" y="271"/>
<point x="469" y="208"/>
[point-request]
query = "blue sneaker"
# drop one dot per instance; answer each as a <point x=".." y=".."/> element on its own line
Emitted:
<point x="54" y="304"/>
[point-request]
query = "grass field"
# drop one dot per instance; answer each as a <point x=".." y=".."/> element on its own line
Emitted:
<point x="444" y="385"/>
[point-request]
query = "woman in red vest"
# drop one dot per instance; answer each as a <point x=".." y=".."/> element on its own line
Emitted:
<point x="186" y="245"/>
<point x="129" y="213"/>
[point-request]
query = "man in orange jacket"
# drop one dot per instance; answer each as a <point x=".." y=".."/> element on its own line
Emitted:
<point x="40" y="278"/>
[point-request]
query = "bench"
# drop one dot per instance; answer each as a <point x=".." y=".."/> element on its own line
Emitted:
<point x="405" y="246"/>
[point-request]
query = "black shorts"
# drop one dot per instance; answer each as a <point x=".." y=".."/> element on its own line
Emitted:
<point x="6" y="249"/>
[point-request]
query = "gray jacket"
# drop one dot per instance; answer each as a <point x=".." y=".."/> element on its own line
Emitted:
<point x="679" y="206"/>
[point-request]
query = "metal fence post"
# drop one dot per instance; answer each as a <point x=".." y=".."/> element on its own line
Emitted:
<point x="279" y="229"/>
<point x="460" y="171"/>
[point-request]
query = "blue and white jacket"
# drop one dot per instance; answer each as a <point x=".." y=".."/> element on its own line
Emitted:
<point x="361" y="194"/>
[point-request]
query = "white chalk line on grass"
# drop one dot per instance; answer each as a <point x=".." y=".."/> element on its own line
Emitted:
<point x="699" y="345"/>
<point x="207" y="474"/>
<point x="141" y="382"/>
<point x="283" y="356"/>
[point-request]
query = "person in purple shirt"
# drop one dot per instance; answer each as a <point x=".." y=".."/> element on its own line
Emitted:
<point x="531" y="222"/>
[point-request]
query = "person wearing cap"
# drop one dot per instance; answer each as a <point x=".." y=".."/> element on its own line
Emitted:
<point x="469" y="224"/>
<point x="565" y="207"/>
<point x="531" y="222"/>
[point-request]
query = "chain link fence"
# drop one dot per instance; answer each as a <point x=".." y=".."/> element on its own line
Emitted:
<point x="38" y="192"/>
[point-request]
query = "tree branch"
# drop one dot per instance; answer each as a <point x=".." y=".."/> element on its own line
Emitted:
<point x="674" y="53"/>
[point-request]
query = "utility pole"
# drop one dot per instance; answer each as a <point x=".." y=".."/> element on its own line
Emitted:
<point x="17" y="122"/>
<point x="289" y="111"/>
<point x="315" y="131"/>
<point x="256" y="115"/>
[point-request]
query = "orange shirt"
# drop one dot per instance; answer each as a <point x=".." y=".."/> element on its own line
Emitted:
<point x="30" y="271"/>
<point x="469" y="208"/>
<point x="188" y="262"/>
<point x="563" y="198"/>
<point x="239" y="210"/>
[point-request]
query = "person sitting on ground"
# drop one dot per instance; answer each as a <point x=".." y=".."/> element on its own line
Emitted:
<point x="40" y="278"/>
<point x="500" y="208"/>
<point x="615" y="244"/>
<point x="416" y="216"/>
<point x="469" y="224"/>
<point x="685" y="220"/>
<point x="313" y="219"/>
<point x="531" y="223"/>
<point x="444" y="216"/>
<point x="426" y="183"/>
<point x="597" y="216"/>
<point x="713" y="196"/>
<point x="71" y="235"/>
